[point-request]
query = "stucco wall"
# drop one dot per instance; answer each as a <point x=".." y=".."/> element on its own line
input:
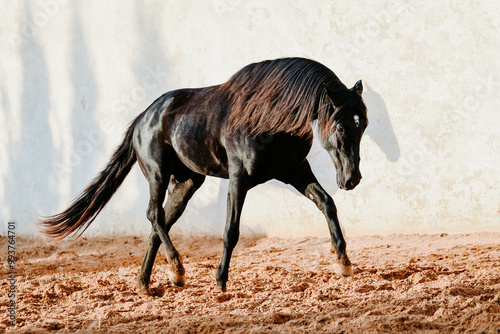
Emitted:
<point x="73" y="74"/>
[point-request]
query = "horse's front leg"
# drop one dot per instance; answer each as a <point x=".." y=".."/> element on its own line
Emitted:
<point x="235" y="198"/>
<point x="306" y="183"/>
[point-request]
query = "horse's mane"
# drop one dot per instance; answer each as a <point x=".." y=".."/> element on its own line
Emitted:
<point x="283" y="95"/>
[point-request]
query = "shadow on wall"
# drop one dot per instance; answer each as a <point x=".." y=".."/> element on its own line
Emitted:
<point x="87" y="144"/>
<point x="89" y="139"/>
<point x="30" y="159"/>
<point x="380" y="129"/>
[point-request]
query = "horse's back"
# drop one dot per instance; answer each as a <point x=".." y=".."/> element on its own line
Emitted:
<point x="191" y="125"/>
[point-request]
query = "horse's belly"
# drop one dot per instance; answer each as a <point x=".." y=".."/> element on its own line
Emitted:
<point x="204" y="164"/>
<point x="202" y="156"/>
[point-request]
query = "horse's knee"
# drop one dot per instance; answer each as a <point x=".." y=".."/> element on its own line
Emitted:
<point x="152" y="213"/>
<point x="322" y="199"/>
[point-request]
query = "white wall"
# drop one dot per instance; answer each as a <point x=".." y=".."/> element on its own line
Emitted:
<point x="73" y="74"/>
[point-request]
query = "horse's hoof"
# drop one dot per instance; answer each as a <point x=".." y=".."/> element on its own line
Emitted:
<point x="176" y="279"/>
<point x="144" y="290"/>
<point x="143" y="287"/>
<point x="343" y="270"/>
<point x="220" y="288"/>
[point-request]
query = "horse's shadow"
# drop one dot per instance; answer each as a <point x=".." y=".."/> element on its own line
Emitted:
<point x="380" y="129"/>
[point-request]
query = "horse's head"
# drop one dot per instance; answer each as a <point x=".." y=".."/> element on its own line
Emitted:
<point x="344" y="136"/>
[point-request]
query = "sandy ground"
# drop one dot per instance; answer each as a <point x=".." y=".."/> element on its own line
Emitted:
<point x="402" y="283"/>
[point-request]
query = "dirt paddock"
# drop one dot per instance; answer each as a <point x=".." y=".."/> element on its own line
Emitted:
<point x="402" y="283"/>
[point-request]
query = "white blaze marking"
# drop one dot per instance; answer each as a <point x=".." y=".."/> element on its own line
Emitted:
<point x="356" y="120"/>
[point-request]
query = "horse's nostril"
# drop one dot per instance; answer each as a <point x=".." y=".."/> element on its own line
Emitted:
<point x="352" y="183"/>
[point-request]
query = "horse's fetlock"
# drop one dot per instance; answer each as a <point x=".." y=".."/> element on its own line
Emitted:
<point x="177" y="266"/>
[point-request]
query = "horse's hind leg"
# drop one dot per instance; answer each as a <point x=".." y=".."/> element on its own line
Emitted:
<point x="147" y="264"/>
<point x="179" y="193"/>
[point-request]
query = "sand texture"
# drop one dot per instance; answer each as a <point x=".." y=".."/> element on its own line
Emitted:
<point x="402" y="283"/>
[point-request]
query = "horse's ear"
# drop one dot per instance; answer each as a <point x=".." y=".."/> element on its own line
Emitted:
<point x="358" y="87"/>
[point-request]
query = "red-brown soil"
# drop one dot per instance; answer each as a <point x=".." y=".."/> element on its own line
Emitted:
<point x="402" y="283"/>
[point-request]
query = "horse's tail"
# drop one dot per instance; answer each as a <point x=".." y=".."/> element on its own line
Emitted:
<point x="85" y="208"/>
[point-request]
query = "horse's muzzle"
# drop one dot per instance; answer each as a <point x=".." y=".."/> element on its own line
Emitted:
<point x="351" y="182"/>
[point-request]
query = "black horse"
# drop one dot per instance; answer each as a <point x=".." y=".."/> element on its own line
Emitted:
<point x="251" y="129"/>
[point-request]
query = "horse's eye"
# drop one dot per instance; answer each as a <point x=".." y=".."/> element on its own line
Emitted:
<point x="340" y="129"/>
<point x="356" y="120"/>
